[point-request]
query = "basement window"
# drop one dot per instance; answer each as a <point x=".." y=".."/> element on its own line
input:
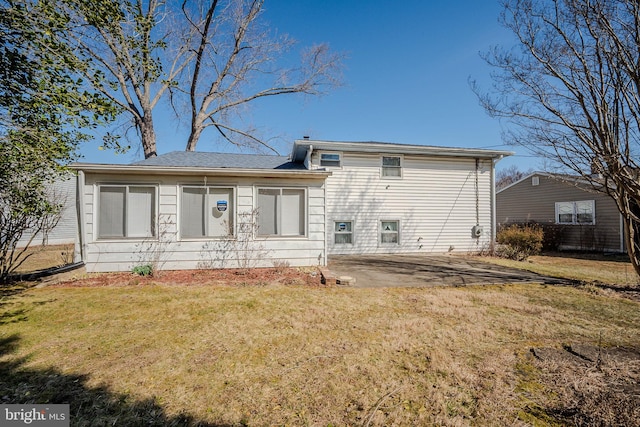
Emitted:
<point x="389" y="232"/>
<point x="343" y="232"/>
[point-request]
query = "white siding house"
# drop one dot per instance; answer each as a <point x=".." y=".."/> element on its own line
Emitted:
<point x="65" y="232"/>
<point x="185" y="217"/>
<point x="186" y="210"/>
<point x="392" y="198"/>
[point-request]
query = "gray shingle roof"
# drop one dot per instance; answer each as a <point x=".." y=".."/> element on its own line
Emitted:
<point x="220" y="160"/>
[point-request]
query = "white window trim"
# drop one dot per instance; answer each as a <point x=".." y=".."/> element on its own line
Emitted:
<point x="182" y="238"/>
<point x="352" y="232"/>
<point x="306" y="213"/>
<point x="574" y="216"/>
<point x="154" y="220"/>
<point x="339" y="154"/>
<point x="380" y="243"/>
<point x="382" y="175"/>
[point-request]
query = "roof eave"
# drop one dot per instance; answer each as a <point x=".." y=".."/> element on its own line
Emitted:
<point x="173" y="170"/>
<point x="378" y="147"/>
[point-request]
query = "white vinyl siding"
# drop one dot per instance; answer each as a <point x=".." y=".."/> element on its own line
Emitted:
<point x="126" y="211"/>
<point x="281" y="212"/>
<point x="434" y="202"/>
<point x="170" y="250"/>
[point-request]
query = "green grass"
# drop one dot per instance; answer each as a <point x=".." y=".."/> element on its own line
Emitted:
<point x="294" y="355"/>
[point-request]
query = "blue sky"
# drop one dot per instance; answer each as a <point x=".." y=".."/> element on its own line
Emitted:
<point x="405" y="78"/>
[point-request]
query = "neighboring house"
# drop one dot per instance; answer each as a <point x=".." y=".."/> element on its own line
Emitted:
<point x="186" y="210"/>
<point x="62" y="191"/>
<point x="582" y="218"/>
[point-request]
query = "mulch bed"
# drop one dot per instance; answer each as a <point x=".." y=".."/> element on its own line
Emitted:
<point x="218" y="277"/>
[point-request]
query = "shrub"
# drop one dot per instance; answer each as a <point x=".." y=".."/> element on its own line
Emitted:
<point x="520" y="241"/>
<point x="143" y="270"/>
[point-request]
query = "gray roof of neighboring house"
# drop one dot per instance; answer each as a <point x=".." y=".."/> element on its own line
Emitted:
<point x="220" y="160"/>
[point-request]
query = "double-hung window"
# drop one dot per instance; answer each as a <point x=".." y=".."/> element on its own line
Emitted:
<point x="343" y="232"/>
<point x="126" y="211"/>
<point x="391" y="167"/>
<point x="581" y="212"/>
<point x="206" y="212"/>
<point x="281" y="212"/>
<point x="330" y="160"/>
<point x="389" y="232"/>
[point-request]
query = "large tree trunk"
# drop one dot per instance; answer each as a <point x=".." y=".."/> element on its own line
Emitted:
<point x="148" y="136"/>
<point x="632" y="233"/>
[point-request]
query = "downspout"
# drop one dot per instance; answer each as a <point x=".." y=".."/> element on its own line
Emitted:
<point x="307" y="158"/>
<point x="493" y="199"/>
<point x="81" y="250"/>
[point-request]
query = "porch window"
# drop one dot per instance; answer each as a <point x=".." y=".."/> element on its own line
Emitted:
<point x="389" y="232"/>
<point x="206" y="212"/>
<point x="281" y="212"/>
<point x="343" y="232"/>
<point x="391" y="167"/>
<point x="126" y="211"/>
<point x="580" y="212"/>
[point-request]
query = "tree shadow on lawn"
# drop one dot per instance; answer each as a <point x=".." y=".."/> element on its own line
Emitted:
<point x="589" y="256"/>
<point x="89" y="406"/>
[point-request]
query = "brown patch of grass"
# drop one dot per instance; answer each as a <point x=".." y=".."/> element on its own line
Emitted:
<point x="297" y="355"/>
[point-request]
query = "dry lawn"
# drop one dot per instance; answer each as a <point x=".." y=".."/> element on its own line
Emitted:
<point x="614" y="270"/>
<point x="43" y="257"/>
<point x="220" y="355"/>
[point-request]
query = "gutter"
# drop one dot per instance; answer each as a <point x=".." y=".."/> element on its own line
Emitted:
<point x="382" y="147"/>
<point x="198" y="171"/>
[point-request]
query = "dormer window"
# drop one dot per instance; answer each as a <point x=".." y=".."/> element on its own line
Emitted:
<point x="332" y="160"/>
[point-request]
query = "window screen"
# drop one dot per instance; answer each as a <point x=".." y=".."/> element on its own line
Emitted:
<point x="126" y="211"/>
<point x="281" y="212"/>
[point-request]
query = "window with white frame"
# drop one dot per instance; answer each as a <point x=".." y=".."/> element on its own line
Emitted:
<point x="389" y="232"/>
<point x="343" y="232"/>
<point x="206" y="211"/>
<point x="391" y="167"/>
<point x="330" y="160"/>
<point x="126" y="211"/>
<point x="580" y="212"/>
<point x="281" y="212"/>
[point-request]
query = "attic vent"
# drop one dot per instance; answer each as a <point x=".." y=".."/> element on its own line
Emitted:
<point x="535" y="181"/>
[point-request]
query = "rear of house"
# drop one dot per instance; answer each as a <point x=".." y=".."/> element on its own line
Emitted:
<point x="394" y="198"/>
<point x="576" y="216"/>
<point x="187" y="210"/>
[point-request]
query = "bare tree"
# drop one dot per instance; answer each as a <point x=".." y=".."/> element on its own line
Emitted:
<point x="571" y="90"/>
<point x="235" y="65"/>
<point x="508" y="176"/>
<point x="215" y="55"/>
